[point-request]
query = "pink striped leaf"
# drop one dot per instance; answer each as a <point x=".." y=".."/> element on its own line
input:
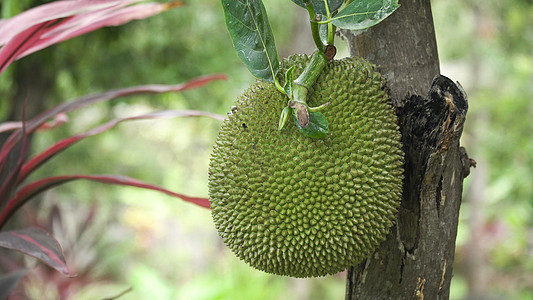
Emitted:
<point x="66" y="107"/>
<point x="58" y="21"/>
<point x="37" y="243"/>
<point x="52" y="11"/>
<point x="21" y="43"/>
<point x="81" y="24"/>
<point x="34" y="188"/>
<point x="47" y="154"/>
<point x="58" y="120"/>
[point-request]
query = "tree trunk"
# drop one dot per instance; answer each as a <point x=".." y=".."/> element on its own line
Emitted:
<point x="33" y="78"/>
<point x="416" y="259"/>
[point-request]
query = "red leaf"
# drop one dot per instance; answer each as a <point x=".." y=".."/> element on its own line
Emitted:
<point x="21" y="43"/>
<point x="55" y="149"/>
<point x="66" y="107"/>
<point x="51" y="11"/>
<point x="32" y="189"/>
<point x="11" y="166"/>
<point x="58" y="120"/>
<point x="37" y="243"/>
<point x="55" y="22"/>
<point x="81" y="24"/>
<point x="112" y="94"/>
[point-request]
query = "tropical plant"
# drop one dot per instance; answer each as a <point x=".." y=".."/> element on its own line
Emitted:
<point x="32" y="31"/>
<point x="252" y="37"/>
<point x="417" y="257"/>
<point x="250" y="31"/>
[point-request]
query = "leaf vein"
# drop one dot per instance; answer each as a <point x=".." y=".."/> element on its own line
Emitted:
<point x="351" y="15"/>
<point x="261" y="39"/>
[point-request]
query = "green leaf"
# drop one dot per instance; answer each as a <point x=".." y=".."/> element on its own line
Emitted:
<point x="319" y="6"/>
<point x="252" y="37"/>
<point x="284" y="117"/>
<point x="362" y="14"/>
<point x="317" y="127"/>
<point x="289" y="82"/>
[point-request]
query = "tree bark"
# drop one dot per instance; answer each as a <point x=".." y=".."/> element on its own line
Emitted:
<point x="416" y="259"/>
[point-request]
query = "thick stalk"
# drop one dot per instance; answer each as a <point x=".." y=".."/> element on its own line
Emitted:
<point x="309" y="77"/>
<point x="302" y="85"/>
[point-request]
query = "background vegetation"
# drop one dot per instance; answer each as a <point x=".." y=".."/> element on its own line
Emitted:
<point x="117" y="237"/>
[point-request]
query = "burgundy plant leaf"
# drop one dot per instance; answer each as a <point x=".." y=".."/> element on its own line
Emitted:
<point x="58" y="120"/>
<point x="66" y="107"/>
<point x="81" y="24"/>
<point x="55" y="149"/>
<point x="36" y="29"/>
<point x="52" y="11"/>
<point x="21" y="43"/>
<point x="10" y="168"/>
<point x="37" y="243"/>
<point x="8" y="152"/>
<point x="9" y="172"/>
<point x="34" y="188"/>
<point x="113" y="94"/>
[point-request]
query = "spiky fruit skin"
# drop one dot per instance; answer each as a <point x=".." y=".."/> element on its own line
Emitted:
<point x="293" y="205"/>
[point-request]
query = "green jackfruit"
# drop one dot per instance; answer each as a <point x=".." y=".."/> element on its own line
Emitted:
<point x="293" y="205"/>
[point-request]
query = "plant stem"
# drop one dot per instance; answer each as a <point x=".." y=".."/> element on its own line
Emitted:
<point x="314" y="27"/>
<point x="331" y="33"/>
<point x="301" y="88"/>
<point x="331" y="27"/>
<point x="309" y="76"/>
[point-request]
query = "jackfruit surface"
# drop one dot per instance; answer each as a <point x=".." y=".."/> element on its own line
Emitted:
<point x="293" y="205"/>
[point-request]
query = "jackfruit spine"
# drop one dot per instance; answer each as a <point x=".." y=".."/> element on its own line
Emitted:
<point x="292" y="205"/>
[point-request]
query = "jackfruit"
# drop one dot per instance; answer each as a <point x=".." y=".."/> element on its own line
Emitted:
<point x="292" y="205"/>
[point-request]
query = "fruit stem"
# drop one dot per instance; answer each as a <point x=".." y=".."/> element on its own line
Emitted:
<point x="331" y="33"/>
<point x="301" y="87"/>
<point x="309" y="76"/>
<point x="331" y="27"/>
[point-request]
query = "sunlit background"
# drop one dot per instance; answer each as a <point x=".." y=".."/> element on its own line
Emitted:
<point x="117" y="238"/>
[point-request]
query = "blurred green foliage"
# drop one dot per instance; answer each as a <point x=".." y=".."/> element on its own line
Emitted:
<point x="488" y="47"/>
<point x="166" y="249"/>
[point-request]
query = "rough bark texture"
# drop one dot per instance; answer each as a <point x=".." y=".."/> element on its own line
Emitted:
<point x="416" y="260"/>
<point x="404" y="48"/>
